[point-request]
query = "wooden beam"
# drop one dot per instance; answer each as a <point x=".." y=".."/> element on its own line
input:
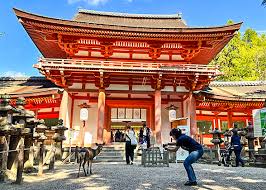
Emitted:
<point x="126" y="92"/>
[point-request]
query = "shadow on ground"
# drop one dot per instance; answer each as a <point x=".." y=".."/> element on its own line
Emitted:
<point x="121" y="176"/>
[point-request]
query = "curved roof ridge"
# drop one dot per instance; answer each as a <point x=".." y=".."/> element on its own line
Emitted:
<point x="23" y="13"/>
<point x="237" y="83"/>
<point x="131" y="15"/>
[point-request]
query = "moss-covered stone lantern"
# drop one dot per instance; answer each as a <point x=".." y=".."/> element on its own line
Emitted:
<point x="217" y="141"/>
<point x="58" y="138"/>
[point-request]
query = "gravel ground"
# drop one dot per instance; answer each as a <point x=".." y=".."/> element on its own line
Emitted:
<point x="119" y="176"/>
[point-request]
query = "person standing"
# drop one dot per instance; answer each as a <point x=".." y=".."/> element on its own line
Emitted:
<point x="141" y="135"/>
<point x="235" y="142"/>
<point x="147" y="135"/>
<point x="131" y="144"/>
<point x="195" y="152"/>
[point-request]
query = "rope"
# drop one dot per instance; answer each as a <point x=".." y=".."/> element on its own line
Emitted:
<point x="67" y="158"/>
<point x="18" y="150"/>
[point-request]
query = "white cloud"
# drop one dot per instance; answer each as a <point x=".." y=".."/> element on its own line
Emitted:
<point x="13" y="74"/>
<point x="90" y="2"/>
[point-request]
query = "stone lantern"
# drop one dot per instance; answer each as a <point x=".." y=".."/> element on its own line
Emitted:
<point x="227" y="134"/>
<point x="58" y="138"/>
<point x="40" y="129"/>
<point x="250" y="137"/>
<point x="19" y="122"/>
<point x="217" y="141"/>
<point x="31" y="124"/>
<point x="18" y="139"/>
<point x="260" y="157"/>
<point x="5" y="129"/>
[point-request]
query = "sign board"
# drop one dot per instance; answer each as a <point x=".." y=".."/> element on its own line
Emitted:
<point x="182" y="154"/>
<point x="185" y="129"/>
<point x="259" y="122"/>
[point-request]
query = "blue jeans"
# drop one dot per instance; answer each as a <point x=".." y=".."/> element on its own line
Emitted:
<point x="192" y="157"/>
<point x="237" y="150"/>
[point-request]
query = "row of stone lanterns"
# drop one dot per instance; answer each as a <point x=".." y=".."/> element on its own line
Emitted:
<point x="19" y="129"/>
<point x="246" y="134"/>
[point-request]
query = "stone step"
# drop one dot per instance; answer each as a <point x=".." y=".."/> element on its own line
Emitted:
<point x="113" y="149"/>
<point x="111" y="154"/>
<point x="115" y="152"/>
<point x="110" y="158"/>
<point x="114" y="159"/>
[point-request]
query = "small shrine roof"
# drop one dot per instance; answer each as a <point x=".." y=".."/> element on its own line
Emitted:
<point x="27" y="86"/>
<point x="239" y="90"/>
<point x="130" y="20"/>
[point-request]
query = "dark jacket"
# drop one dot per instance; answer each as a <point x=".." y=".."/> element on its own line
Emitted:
<point x="235" y="141"/>
<point x="187" y="143"/>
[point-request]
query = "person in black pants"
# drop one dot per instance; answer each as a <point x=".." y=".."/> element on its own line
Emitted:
<point x="235" y="142"/>
<point x="147" y="135"/>
<point x="129" y="156"/>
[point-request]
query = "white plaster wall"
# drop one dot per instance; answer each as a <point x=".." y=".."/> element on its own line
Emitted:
<point x="118" y="87"/>
<point x="181" y="89"/>
<point x="166" y="125"/>
<point x="168" y="89"/>
<point x="45" y="110"/>
<point x="90" y="125"/>
<point x="90" y="86"/>
<point x="142" y="88"/>
<point x="207" y="112"/>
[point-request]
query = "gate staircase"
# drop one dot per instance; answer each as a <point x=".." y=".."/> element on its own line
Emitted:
<point x="115" y="152"/>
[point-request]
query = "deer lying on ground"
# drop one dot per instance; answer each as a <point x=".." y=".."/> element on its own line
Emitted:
<point x="87" y="155"/>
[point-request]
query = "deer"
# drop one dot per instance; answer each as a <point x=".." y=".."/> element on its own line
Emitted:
<point x="86" y="155"/>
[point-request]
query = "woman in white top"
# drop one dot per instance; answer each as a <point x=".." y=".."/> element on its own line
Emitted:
<point x="131" y="143"/>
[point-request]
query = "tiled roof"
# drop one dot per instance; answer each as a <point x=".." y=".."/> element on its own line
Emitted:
<point x="238" y="90"/>
<point x="237" y="83"/>
<point x="27" y="86"/>
<point x="130" y="20"/>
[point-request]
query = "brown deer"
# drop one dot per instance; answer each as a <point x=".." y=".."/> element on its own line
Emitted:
<point x="87" y="155"/>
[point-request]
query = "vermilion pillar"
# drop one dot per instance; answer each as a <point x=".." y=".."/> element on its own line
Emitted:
<point x="101" y="115"/>
<point x="229" y="119"/>
<point x="65" y="109"/>
<point x="192" y="114"/>
<point x="158" y="117"/>
<point x="107" y="125"/>
<point x="217" y="124"/>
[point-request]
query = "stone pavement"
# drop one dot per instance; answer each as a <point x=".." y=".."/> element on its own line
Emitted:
<point x="119" y="176"/>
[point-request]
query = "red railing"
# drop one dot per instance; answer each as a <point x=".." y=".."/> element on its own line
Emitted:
<point x="142" y="66"/>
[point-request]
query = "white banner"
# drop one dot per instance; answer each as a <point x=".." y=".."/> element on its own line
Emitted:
<point x="259" y="122"/>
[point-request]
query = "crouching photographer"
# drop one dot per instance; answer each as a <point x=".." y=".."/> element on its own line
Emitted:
<point x="195" y="152"/>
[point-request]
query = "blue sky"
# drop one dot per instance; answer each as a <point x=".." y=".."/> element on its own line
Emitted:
<point x="18" y="53"/>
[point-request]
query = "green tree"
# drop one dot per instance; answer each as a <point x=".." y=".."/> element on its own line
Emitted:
<point x="244" y="58"/>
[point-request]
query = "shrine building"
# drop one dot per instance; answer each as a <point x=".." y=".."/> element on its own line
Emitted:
<point x="128" y="68"/>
